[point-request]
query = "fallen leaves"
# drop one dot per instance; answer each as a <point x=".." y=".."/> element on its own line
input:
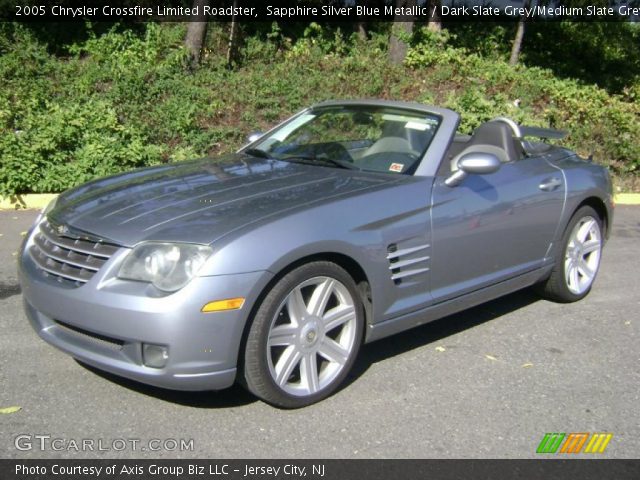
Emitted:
<point x="493" y="358"/>
<point x="8" y="410"/>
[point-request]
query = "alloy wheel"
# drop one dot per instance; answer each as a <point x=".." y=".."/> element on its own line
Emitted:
<point x="582" y="255"/>
<point x="311" y="336"/>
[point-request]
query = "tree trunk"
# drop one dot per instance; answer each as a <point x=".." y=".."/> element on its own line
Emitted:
<point x="362" y="30"/>
<point x="397" y="47"/>
<point x="435" y="22"/>
<point x="196" y="31"/>
<point x="517" y="42"/>
<point x="361" y="26"/>
<point x="232" y="37"/>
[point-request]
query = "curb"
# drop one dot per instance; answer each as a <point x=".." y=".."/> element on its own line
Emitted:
<point x="27" y="201"/>
<point x="627" y="198"/>
<point x="41" y="200"/>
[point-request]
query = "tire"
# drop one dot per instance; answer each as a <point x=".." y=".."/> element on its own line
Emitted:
<point x="304" y="336"/>
<point x="577" y="259"/>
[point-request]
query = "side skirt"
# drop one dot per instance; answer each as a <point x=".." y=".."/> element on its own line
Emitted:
<point x="435" y="312"/>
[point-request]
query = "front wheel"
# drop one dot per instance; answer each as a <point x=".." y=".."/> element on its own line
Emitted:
<point x="578" y="260"/>
<point x="304" y="337"/>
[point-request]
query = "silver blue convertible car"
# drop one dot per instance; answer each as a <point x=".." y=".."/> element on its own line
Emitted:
<point x="346" y="223"/>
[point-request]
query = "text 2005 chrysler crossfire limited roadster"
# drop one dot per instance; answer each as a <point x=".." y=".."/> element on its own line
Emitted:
<point x="346" y="223"/>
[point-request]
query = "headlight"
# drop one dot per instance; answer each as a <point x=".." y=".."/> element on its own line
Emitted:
<point x="168" y="266"/>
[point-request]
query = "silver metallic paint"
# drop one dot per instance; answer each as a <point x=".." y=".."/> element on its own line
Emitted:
<point x="454" y="247"/>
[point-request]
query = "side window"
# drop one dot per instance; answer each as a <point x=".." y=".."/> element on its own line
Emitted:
<point x="459" y="143"/>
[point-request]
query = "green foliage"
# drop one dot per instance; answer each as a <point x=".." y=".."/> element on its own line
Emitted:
<point x="483" y="88"/>
<point x="604" y="53"/>
<point x="488" y="39"/>
<point x="431" y="48"/>
<point x="63" y="122"/>
<point x="118" y="97"/>
<point x="60" y="145"/>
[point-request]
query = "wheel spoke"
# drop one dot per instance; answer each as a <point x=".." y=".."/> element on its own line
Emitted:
<point x="338" y="316"/>
<point x="333" y="351"/>
<point x="320" y="297"/>
<point x="568" y="269"/>
<point x="309" y="373"/>
<point x="282" y="335"/>
<point x="585" y="228"/>
<point x="568" y="266"/>
<point x="584" y="269"/>
<point x="296" y="306"/>
<point x="590" y="246"/>
<point x="286" y="363"/>
<point x="574" y="280"/>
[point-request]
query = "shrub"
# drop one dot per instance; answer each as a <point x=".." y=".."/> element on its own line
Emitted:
<point x="481" y="88"/>
<point x="121" y="97"/>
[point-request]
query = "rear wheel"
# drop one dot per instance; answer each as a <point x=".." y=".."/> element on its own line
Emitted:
<point x="578" y="259"/>
<point x="305" y="336"/>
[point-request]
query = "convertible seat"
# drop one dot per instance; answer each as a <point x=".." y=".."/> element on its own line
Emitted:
<point x="389" y="144"/>
<point x="495" y="138"/>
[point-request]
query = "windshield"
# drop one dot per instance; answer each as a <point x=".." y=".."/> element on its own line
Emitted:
<point x="380" y="139"/>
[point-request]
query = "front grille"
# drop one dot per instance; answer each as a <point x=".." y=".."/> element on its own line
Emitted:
<point x="69" y="257"/>
<point x="85" y="335"/>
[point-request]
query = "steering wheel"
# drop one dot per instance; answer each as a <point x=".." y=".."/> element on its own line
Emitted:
<point x="413" y="155"/>
<point x="335" y="151"/>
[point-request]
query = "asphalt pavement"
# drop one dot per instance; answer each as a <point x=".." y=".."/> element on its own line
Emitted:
<point x="485" y="383"/>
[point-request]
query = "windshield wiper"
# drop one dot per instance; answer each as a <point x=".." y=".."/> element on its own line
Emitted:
<point x="309" y="160"/>
<point x="256" y="152"/>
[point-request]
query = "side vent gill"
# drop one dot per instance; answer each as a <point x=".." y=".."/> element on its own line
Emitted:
<point x="406" y="262"/>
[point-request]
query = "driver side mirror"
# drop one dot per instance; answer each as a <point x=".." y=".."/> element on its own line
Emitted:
<point x="477" y="163"/>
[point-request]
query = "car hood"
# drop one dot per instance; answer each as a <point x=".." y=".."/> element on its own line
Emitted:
<point x="202" y="200"/>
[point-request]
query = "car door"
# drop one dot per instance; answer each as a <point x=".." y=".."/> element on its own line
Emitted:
<point x="493" y="227"/>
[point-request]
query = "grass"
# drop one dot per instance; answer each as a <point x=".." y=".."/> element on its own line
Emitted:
<point x="125" y="98"/>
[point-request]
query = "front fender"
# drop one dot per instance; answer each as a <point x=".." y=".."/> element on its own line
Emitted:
<point x="361" y="228"/>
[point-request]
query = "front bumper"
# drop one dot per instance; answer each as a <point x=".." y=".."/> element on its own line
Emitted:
<point x="104" y="323"/>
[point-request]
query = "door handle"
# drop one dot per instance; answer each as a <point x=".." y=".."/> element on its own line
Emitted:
<point x="550" y="184"/>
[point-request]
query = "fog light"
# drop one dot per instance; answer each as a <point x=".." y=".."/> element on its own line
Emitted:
<point x="154" y="356"/>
